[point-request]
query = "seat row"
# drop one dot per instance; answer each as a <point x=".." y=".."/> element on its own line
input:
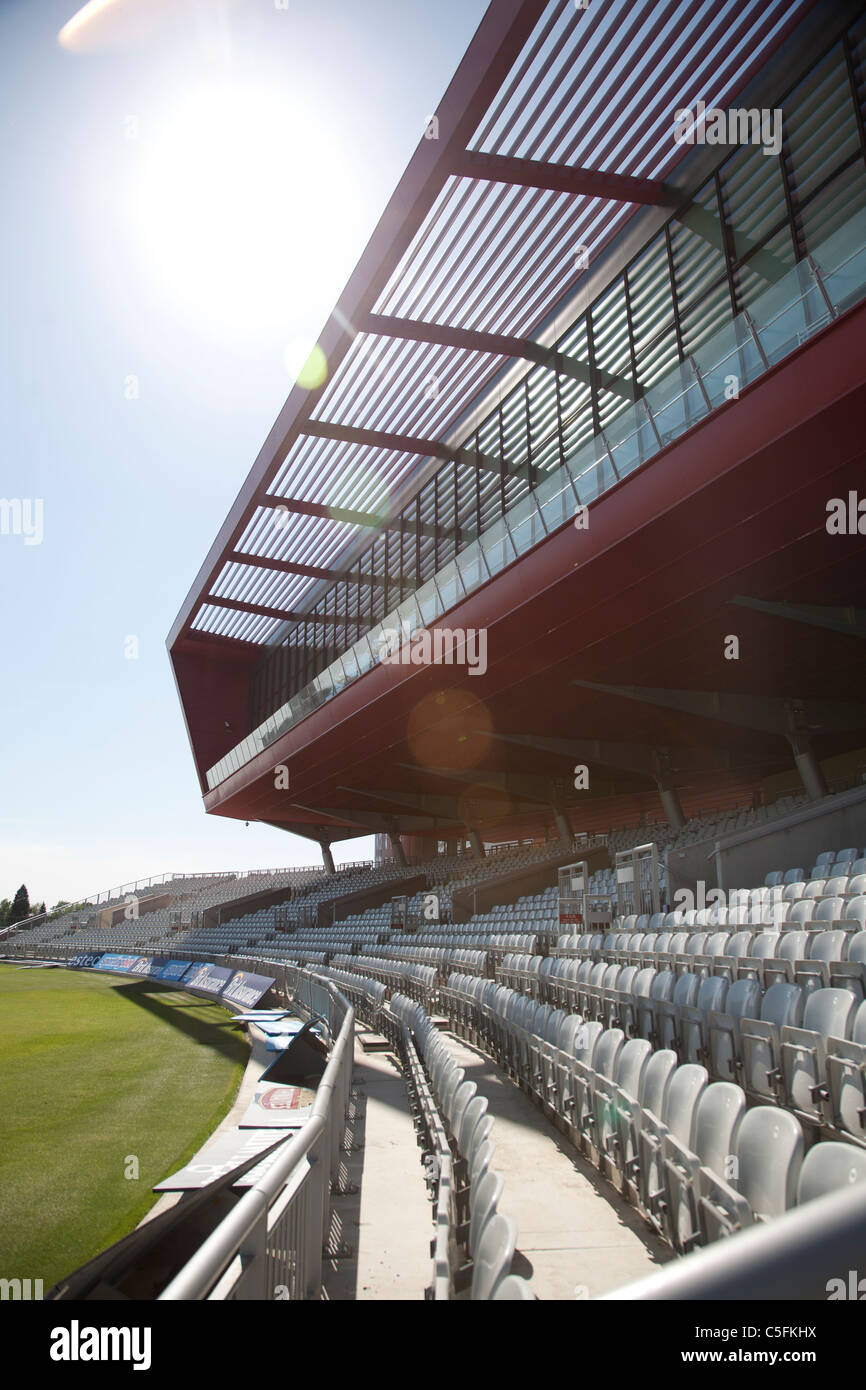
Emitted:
<point x="688" y="1151"/>
<point x="484" y="1240"/>
<point x="814" y="956"/>
<point x="419" y="982"/>
<point x="804" y="1049"/>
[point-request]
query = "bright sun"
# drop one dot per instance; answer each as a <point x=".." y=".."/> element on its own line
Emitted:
<point x="242" y="203"/>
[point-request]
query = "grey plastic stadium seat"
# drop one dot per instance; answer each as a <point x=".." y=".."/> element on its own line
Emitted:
<point x="694" y="1019"/>
<point x="716" y="943"/>
<point x="493" y="1256"/>
<point x="472" y="1116"/>
<point x="739" y="944"/>
<point x="830" y="910"/>
<point x="630" y="1066"/>
<point x="828" y="1167"/>
<point x="855" y="909"/>
<point x="769" y="1154"/>
<point x="802" y="911"/>
<point x="814" y="888"/>
<point x="794" y="876"/>
<point x="480" y="1160"/>
<point x="483" y="1202"/>
<point x="764" y="945"/>
<point x="827" y="1013"/>
<point x="836" y="887"/>
<point x="761" y="1041"/>
<point x="742" y="1001"/>
<point x="656" y="1079"/>
<point x="676" y="1118"/>
<point x="711" y="1207"/>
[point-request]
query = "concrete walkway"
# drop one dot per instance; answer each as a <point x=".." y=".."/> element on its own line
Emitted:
<point x="384" y="1228"/>
<point x="576" y="1238"/>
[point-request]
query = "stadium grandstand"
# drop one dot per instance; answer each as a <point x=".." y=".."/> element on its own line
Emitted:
<point x="553" y="583"/>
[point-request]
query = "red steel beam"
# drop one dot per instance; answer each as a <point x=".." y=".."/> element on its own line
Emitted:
<point x="560" y="178"/>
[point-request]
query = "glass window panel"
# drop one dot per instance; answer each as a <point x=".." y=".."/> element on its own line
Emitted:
<point x="449" y="586"/>
<point x="498" y="546"/>
<point x="350" y="665"/>
<point x="324" y="684"/>
<point x="525" y="524"/>
<point x="427" y="598"/>
<point x="470" y="563"/>
<point x="841" y="261"/>
<point x="409" y="617"/>
<point x="556" y="499"/>
<point x="789" y="313"/>
<point x="363" y="655"/>
<point x="676" y="402"/>
<point x="632" y="439"/>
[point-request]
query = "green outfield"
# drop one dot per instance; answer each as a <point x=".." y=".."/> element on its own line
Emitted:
<point x="97" y="1071"/>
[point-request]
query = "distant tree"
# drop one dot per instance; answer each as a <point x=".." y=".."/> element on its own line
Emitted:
<point x="5" y="909"/>
<point x="20" y="906"/>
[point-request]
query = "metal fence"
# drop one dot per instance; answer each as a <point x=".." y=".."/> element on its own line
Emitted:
<point x="271" y="1244"/>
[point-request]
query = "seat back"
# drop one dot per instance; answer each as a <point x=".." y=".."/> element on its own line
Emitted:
<point x="783" y="1005"/>
<point x="827" y="945"/>
<point x="739" y="944"/>
<point x="480" y="1160"/>
<point x="769" y="1155"/>
<point x="764" y="945"/>
<point x="631" y="1064"/>
<point x="829" y="1012"/>
<point x="607" y="1051"/>
<point x="483" y="1202"/>
<point x="855" y="909"/>
<point x="493" y="1256"/>
<point x="720" y="1110"/>
<point x="793" y="945"/>
<point x="586" y="1040"/>
<point x="712" y="993"/>
<point x="828" y="1167"/>
<point x="830" y="910"/>
<point x="686" y="989"/>
<point x="472" y="1115"/>
<point x="656" y="1079"/>
<point x="685" y="1089"/>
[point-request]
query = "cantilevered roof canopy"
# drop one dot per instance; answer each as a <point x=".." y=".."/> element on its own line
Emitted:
<point x="557" y="128"/>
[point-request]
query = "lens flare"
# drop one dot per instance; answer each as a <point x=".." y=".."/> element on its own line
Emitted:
<point x="307" y="368"/>
<point x="449" y="729"/>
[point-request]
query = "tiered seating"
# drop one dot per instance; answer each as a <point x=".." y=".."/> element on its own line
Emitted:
<point x="686" y="1150"/>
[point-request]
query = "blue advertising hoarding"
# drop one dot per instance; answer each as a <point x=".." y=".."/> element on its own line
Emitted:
<point x="120" y="965"/>
<point x="174" y="970"/>
<point x="209" y="978"/>
<point x="245" y="989"/>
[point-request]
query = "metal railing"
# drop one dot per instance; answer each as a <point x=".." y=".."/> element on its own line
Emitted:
<point x="797" y="1256"/>
<point x="271" y="1243"/>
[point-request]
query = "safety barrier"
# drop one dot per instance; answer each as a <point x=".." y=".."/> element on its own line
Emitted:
<point x="271" y="1243"/>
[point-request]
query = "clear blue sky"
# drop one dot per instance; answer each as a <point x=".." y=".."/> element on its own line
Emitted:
<point x="186" y="190"/>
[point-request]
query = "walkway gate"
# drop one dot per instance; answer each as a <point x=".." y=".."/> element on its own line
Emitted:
<point x="573" y="892"/>
<point x="637" y="880"/>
